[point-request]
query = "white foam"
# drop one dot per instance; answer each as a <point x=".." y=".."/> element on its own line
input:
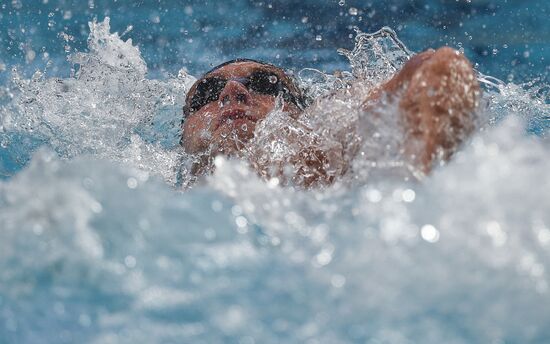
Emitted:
<point x="92" y="250"/>
<point x="103" y="108"/>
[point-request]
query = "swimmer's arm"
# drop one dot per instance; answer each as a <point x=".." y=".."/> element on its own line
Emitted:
<point x="438" y="93"/>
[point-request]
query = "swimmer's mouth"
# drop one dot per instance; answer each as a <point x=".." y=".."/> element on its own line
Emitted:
<point x="232" y="115"/>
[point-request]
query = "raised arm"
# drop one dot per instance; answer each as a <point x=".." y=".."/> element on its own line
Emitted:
<point x="438" y="93"/>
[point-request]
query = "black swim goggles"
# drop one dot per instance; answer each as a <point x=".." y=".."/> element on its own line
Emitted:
<point x="260" y="81"/>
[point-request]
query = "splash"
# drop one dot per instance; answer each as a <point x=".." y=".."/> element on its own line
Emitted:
<point x="108" y="109"/>
<point x="377" y="56"/>
<point x="96" y="246"/>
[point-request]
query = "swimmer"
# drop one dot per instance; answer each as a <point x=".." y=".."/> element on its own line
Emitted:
<point x="436" y="92"/>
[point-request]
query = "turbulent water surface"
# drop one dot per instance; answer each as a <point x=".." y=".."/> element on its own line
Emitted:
<point x="100" y="241"/>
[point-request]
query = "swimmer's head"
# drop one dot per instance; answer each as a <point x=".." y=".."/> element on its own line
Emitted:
<point x="223" y="107"/>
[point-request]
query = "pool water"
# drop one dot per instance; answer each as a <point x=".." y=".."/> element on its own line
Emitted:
<point x="101" y="241"/>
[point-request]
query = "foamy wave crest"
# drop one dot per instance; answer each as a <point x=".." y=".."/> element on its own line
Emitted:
<point x="114" y="255"/>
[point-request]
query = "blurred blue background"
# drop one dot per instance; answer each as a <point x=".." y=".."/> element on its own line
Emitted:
<point x="508" y="39"/>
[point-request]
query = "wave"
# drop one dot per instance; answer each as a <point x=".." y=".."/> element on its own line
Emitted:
<point x="98" y="244"/>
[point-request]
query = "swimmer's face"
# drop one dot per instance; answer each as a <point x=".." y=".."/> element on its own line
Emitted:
<point x="224" y="107"/>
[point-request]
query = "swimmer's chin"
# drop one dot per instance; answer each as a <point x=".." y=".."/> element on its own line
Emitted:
<point x="230" y="144"/>
<point x="240" y="126"/>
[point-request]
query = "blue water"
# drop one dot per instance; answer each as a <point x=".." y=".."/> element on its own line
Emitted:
<point x="506" y="38"/>
<point x="100" y="243"/>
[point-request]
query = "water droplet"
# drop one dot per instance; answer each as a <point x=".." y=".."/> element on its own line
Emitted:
<point x="324" y="257"/>
<point x="96" y="207"/>
<point x="342" y="2"/>
<point x="38" y="229"/>
<point x="241" y="221"/>
<point x="408" y="195"/>
<point x="429" y="233"/>
<point x="353" y="11"/>
<point x="497" y="234"/>
<point x="132" y="183"/>
<point x="130" y="262"/>
<point x="338" y="281"/>
<point x="244" y="127"/>
<point x="319" y="38"/>
<point x="273" y="182"/>
<point x="374" y="195"/>
<point x="273" y="79"/>
<point x="154" y="19"/>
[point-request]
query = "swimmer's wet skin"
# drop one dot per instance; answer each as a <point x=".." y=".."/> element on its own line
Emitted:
<point x="438" y="94"/>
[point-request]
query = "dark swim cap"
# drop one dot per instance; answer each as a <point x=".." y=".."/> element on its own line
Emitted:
<point x="238" y="60"/>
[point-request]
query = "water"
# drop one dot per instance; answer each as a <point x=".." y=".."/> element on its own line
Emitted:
<point x="99" y="243"/>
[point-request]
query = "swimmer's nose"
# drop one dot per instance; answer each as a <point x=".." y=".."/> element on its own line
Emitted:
<point x="234" y="91"/>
